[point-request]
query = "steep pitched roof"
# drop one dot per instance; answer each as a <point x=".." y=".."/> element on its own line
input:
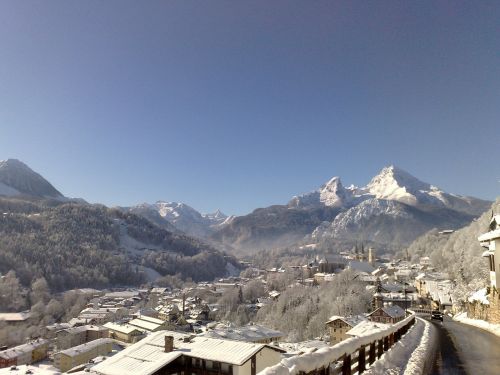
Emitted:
<point x="393" y="311"/>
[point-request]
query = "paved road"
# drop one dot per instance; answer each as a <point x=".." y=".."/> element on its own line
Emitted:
<point x="465" y="350"/>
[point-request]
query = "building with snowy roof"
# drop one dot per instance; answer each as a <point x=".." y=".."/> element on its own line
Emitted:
<point x="170" y="352"/>
<point x="387" y="314"/>
<point x="73" y="336"/>
<point x="366" y="327"/>
<point x="424" y="282"/>
<point x="72" y="357"/>
<point x="403" y="274"/>
<point x="440" y="293"/>
<point x="338" y="326"/>
<point x="24" y="354"/>
<point x="149" y="324"/>
<point x="122" y="294"/>
<point x="124" y="332"/>
<point x="249" y="333"/>
<point x="491" y="241"/>
<point x="360" y="266"/>
<point x="331" y="263"/>
<point x="159" y="291"/>
<point x="15" y="317"/>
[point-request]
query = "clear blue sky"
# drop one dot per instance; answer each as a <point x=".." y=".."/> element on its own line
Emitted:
<point x="242" y="104"/>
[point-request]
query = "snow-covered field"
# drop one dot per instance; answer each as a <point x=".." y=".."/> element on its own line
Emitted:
<point x="493" y="328"/>
<point x="410" y="355"/>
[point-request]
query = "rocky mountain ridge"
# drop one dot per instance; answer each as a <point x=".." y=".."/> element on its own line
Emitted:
<point x="183" y="217"/>
<point x="392" y="184"/>
<point x="393" y="208"/>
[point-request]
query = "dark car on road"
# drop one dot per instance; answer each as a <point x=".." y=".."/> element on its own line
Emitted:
<point x="437" y="315"/>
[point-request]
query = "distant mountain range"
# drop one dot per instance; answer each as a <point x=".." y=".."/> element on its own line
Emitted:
<point x="393" y="209"/>
<point x="182" y="217"/>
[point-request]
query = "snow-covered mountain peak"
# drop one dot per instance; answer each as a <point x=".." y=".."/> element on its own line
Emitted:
<point x="13" y="163"/>
<point x="183" y="217"/>
<point x="16" y="178"/>
<point x="333" y="193"/>
<point x="393" y="183"/>
<point x="217" y="215"/>
<point x="173" y="210"/>
<point x="334" y="181"/>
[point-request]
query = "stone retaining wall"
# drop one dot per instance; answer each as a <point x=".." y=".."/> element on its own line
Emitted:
<point x="489" y="313"/>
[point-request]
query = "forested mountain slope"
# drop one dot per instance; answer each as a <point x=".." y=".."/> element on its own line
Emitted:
<point x="77" y="245"/>
<point x="458" y="253"/>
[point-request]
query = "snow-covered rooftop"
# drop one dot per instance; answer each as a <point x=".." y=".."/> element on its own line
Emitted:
<point x="148" y="355"/>
<point x="123" y="328"/>
<point x="85" y="347"/>
<point x="393" y="311"/>
<point x="15" y="317"/>
<point x="351" y="320"/>
<point x="367" y="327"/>
<point x="249" y="333"/>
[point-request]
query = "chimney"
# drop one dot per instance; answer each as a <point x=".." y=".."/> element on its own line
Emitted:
<point x="169" y="344"/>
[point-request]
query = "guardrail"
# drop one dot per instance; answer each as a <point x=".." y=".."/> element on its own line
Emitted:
<point x="421" y="311"/>
<point x="350" y="356"/>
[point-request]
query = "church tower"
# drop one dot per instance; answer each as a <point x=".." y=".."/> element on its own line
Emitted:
<point x="371" y="256"/>
<point x="378" y="298"/>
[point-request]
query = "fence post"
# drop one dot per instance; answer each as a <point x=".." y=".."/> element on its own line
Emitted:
<point x="346" y="366"/>
<point x="380" y="350"/>
<point x="372" y="353"/>
<point x="386" y="343"/>
<point x="361" y="359"/>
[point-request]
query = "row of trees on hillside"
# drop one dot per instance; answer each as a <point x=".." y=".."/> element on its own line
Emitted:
<point x="300" y="312"/>
<point x="77" y="245"/>
<point x="44" y="307"/>
<point x="459" y="254"/>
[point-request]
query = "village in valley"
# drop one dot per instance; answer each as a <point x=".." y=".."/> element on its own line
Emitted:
<point x="162" y="330"/>
<point x="249" y="187"/>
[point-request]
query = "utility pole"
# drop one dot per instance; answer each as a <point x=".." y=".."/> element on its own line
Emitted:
<point x="406" y="301"/>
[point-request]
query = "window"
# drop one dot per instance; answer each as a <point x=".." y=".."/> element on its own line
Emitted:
<point x="493" y="262"/>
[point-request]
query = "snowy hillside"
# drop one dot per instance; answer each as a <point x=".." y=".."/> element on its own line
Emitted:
<point x="16" y="178"/>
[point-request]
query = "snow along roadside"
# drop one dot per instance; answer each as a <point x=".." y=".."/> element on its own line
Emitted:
<point x="308" y="362"/>
<point x="412" y="355"/>
<point x="493" y="328"/>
